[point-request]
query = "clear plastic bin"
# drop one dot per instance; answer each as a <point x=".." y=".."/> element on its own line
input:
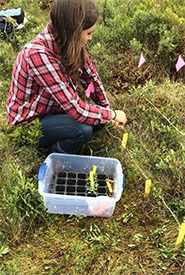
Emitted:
<point x="65" y="187"/>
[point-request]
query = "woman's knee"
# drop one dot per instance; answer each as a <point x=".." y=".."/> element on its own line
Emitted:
<point x="63" y="128"/>
<point x="87" y="131"/>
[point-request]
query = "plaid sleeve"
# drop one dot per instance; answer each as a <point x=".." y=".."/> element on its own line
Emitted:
<point x="48" y="72"/>
<point x="88" y="75"/>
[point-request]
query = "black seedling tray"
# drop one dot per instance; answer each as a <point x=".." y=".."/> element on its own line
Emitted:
<point x="77" y="184"/>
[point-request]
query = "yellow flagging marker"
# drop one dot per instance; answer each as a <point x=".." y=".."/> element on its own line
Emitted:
<point x="108" y="182"/>
<point x="181" y="236"/>
<point x="94" y="169"/>
<point x="124" y="140"/>
<point x="148" y="184"/>
<point x="91" y="177"/>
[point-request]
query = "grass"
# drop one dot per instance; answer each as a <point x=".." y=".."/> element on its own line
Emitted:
<point x="92" y="253"/>
<point x="140" y="236"/>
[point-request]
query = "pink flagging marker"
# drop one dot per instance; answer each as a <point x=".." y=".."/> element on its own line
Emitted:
<point x="180" y="63"/>
<point x="89" y="90"/>
<point x="141" y="60"/>
<point x="156" y="3"/>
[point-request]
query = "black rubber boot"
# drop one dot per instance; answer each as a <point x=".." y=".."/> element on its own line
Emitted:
<point x="55" y="148"/>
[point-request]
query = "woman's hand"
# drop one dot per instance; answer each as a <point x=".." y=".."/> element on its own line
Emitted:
<point x="118" y="118"/>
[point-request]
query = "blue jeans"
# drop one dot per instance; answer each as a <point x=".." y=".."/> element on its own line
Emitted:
<point x="66" y="132"/>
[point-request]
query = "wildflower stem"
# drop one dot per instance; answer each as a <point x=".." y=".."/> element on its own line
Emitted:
<point x="169" y="210"/>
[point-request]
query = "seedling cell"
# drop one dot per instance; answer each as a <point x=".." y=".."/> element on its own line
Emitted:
<point x="81" y="182"/>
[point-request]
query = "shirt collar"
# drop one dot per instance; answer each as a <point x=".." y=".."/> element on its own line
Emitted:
<point x="46" y="37"/>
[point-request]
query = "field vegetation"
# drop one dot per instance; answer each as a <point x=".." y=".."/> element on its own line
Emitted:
<point x="140" y="237"/>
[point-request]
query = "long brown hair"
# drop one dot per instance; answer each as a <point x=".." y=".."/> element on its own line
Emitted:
<point x="68" y="19"/>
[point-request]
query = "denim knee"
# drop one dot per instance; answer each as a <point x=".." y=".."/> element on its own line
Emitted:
<point x="62" y="128"/>
<point x="87" y="131"/>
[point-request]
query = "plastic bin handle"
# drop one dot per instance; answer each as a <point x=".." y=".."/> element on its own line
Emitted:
<point x="41" y="171"/>
<point x="120" y="187"/>
<point x="123" y="186"/>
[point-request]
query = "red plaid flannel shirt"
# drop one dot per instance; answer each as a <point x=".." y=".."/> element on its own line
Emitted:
<point x="41" y="87"/>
